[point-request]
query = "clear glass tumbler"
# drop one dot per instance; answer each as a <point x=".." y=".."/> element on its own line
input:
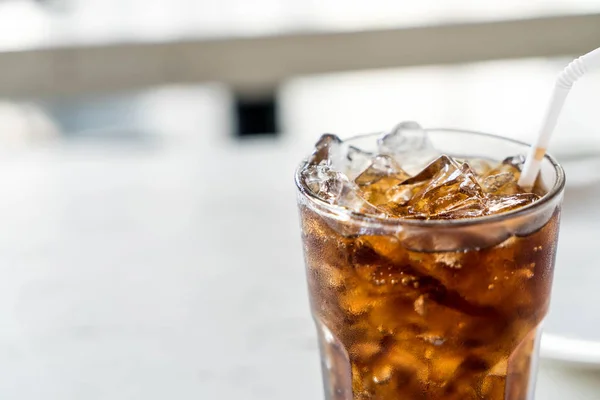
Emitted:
<point x="432" y="309"/>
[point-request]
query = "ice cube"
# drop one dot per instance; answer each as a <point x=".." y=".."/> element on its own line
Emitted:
<point x="325" y="183"/>
<point x="503" y="179"/>
<point x="457" y="195"/>
<point x="493" y="387"/>
<point x="350" y="199"/>
<point x="409" y="145"/>
<point x="327" y="147"/>
<point x="365" y="350"/>
<point x="406" y="136"/>
<point x="504" y="203"/>
<point x="382" y="174"/>
<point x="334" y="187"/>
<point x="501" y="183"/>
<point x="479" y="166"/>
<point x="340" y="156"/>
<point x="450" y="240"/>
<point x="444" y="189"/>
<point x="357" y="301"/>
<point x="399" y="195"/>
<point x="381" y="167"/>
<point x="442" y="164"/>
<point x="357" y="161"/>
<point x="516" y="161"/>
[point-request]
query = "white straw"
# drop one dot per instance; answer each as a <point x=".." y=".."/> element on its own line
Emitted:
<point x="575" y="70"/>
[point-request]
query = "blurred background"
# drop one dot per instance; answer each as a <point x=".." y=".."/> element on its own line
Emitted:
<point x="150" y="246"/>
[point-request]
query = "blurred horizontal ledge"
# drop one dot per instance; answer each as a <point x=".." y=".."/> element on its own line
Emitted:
<point x="261" y="63"/>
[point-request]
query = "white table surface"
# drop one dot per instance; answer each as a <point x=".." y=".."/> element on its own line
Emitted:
<point x="170" y="269"/>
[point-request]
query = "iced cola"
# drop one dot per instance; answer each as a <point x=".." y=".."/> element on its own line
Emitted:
<point x="429" y="270"/>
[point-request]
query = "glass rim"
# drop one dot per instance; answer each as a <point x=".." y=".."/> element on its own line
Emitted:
<point x="347" y="214"/>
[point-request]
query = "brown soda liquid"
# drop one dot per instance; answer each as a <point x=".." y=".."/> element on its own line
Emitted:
<point x="398" y="322"/>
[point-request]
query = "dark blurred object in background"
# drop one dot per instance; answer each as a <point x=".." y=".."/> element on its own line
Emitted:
<point x="256" y="116"/>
